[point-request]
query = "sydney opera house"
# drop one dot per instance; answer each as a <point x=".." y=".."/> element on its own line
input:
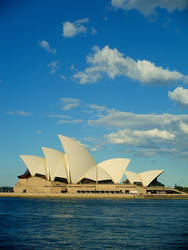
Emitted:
<point x="75" y="171"/>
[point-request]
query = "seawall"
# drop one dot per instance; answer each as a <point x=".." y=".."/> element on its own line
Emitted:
<point x="94" y="196"/>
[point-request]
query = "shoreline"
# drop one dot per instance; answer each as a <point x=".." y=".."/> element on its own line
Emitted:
<point x="94" y="196"/>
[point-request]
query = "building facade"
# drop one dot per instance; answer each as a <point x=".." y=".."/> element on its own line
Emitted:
<point x="75" y="171"/>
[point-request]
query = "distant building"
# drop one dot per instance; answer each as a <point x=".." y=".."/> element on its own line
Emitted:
<point x="76" y="171"/>
<point x="6" y="189"/>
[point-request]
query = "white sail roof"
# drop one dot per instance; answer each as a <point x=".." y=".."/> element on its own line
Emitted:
<point x="132" y="177"/>
<point x="55" y="163"/>
<point x="115" y="168"/>
<point x="148" y="176"/>
<point x="35" y="164"/>
<point x="79" y="160"/>
<point x="102" y="174"/>
<point x="96" y="173"/>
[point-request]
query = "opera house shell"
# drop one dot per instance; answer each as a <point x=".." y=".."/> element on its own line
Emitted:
<point x="75" y="171"/>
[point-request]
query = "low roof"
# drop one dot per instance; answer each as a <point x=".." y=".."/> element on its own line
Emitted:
<point x="144" y="177"/>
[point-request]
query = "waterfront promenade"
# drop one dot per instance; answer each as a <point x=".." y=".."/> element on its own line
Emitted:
<point x="95" y="196"/>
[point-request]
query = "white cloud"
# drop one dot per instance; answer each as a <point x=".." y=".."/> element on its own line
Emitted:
<point x="148" y="7"/>
<point x="71" y="29"/>
<point x="112" y="63"/>
<point x="76" y="121"/>
<point x="96" y="144"/>
<point x="152" y="152"/>
<point x="179" y="95"/>
<point x="97" y="107"/>
<point x="143" y="134"/>
<point x="81" y="21"/>
<point x="183" y="127"/>
<point x="59" y="116"/>
<point x="19" y="113"/>
<point x="66" y="119"/>
<point x="69" y="103"/>
<point x="154" y="133"/>
<point x="53" y="66"/>
<point x="90" y="148"/>
<point x="93" y="31"/>
<point x="118" y="119"/>
<point x="62" y="77"/>
<point x="44" y="44"/>
<point x="38" y="132"/>
<point x="139" y="137"/>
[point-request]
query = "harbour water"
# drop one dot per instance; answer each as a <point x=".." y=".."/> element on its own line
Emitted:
<point x="28" y="223"/>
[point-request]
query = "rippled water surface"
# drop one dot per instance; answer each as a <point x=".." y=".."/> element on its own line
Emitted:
<point x="27" y="223"/>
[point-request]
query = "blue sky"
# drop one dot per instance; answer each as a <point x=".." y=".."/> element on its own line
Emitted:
<point x="111" y="74"/>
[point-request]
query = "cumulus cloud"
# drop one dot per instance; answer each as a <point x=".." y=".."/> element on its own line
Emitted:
<point x="71" y="29"/>
<point x="154" y="133"/>
<point x="148" y="7"/>
<point x="149" y="143"/>
<point x="19" y="113"/>
<point x="139" y="137"/>
<point x="179" y="95"/>
<point x="69" y="103"/>
<point x="112" y="63"/>
<point x="44" y="44"/>
<point x="144" y="135"/>
<point x="53" y="66"/>
<point x="183" y="127"/>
